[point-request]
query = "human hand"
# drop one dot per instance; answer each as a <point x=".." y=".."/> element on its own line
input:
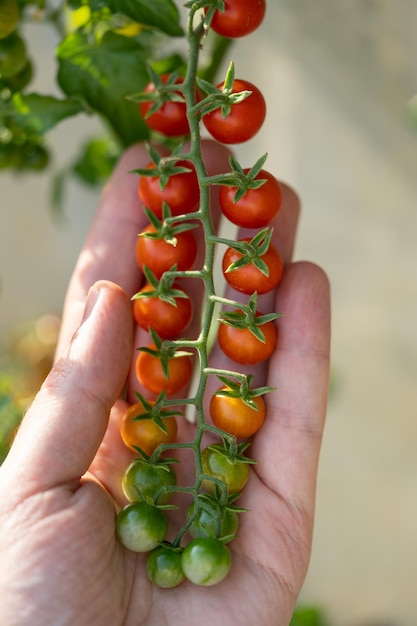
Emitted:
<point x="60" y="561"/>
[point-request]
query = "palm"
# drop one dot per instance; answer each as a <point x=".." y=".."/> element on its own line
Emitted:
<point x="271" y="554"/>
<point x="88" y="571"/>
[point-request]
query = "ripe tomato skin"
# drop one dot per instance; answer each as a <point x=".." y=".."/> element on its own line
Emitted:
<point x="240" y="345"/>
<point x="164" y="568"/>
<point x="206" y="561"/>
<point x="145" y="434"/>
<point x="257" y="208"/>
<point x="239" y="18"/>
<point x="140" y="526"/>
<point x="150" y="374"/>
<point x="171" y="118"/>
<point x="181" y="193"/>
<point x="143" y="479"/>
<point x="236" y="417"/>
<point x="249" y="278"/>
<point x="165" y="318"/>
<point x="233" y="472"/>
<point x="245" y="118"/>
<point x="160" y="256"/>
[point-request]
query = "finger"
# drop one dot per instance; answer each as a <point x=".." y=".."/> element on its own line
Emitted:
<point x="288" y="444"/>
<point x="107" y="253"/>
<point x="63" y="428"/>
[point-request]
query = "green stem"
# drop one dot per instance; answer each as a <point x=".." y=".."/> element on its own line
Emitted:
<point x="219" y="49"/>
<point x="195" y="153"/>
<point x="226" y="373"/>
<point x="227" y="301"/>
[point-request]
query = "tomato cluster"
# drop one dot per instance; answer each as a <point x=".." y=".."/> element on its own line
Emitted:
<point x="174" y="190"/>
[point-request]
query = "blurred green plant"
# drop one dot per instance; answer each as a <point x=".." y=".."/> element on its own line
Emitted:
<point x="308" y="616"/>
<point x="10" y="413"/>
<point x="104" y="53"/>
<point x="26" y="361"/>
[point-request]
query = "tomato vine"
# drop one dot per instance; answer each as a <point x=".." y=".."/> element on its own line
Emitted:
<point x="223" y="468"/>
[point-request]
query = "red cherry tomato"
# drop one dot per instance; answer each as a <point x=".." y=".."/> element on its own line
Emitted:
<point x="150" y="374"/>
<point x="249" y="278"/>
<point x="240" y="345"/>
<point x="171" y="118"/>
<point x="167" y="319"/>
<point x="181" y="193"/>
<point x="257" y="207"/>
<point x="244" y="120"/>
<point x="160" y="255"/>
<point x="239" y="18"/>
<point x="236" y="417"/>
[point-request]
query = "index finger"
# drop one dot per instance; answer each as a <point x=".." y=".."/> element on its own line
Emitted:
<point x="107" y="252"/>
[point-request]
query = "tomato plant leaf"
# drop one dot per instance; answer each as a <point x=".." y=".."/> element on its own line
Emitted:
<point x="96" y="160"/>
<point x="160" y="14"/>
<point x="35" y="113"/>
<point x="102" y="74"/>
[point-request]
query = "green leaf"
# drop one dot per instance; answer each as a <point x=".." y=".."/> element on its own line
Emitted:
<point x="96" y="161"/>
<point x="36" y="114"/>
<point x="307" y="616"/>
<point x="103" y="73"/>
<point x="160" y="14"/>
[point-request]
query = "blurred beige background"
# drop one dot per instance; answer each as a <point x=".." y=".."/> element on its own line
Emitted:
<point x="337" y="77"/>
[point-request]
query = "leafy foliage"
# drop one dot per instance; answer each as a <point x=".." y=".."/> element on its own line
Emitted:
<point x="102" y="74"/>
<point x="96" y="161"/>
<point x="104" y="54"/>
<point x="35" y="114"/>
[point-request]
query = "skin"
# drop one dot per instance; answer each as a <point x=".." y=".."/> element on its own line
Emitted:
<point x="60" y="561"/>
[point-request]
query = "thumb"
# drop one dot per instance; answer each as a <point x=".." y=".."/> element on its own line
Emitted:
<point x="65" y="425"/>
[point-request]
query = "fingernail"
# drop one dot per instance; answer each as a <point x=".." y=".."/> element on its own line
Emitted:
<point x="91" y="301"/>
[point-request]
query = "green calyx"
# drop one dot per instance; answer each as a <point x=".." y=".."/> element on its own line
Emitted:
<point x="248" y="317"/>
<point x="242" y="390"/>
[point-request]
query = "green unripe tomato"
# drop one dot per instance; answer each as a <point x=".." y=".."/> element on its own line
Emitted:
<point x="143" y="480"/>
<point x="141" y="527"/>
<point x="232" y="471"/>
<point x="164" y="568"/>
<point x="213" y="521"/>
<point x="206" y="561"/>
<point x="12" y="55"/>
